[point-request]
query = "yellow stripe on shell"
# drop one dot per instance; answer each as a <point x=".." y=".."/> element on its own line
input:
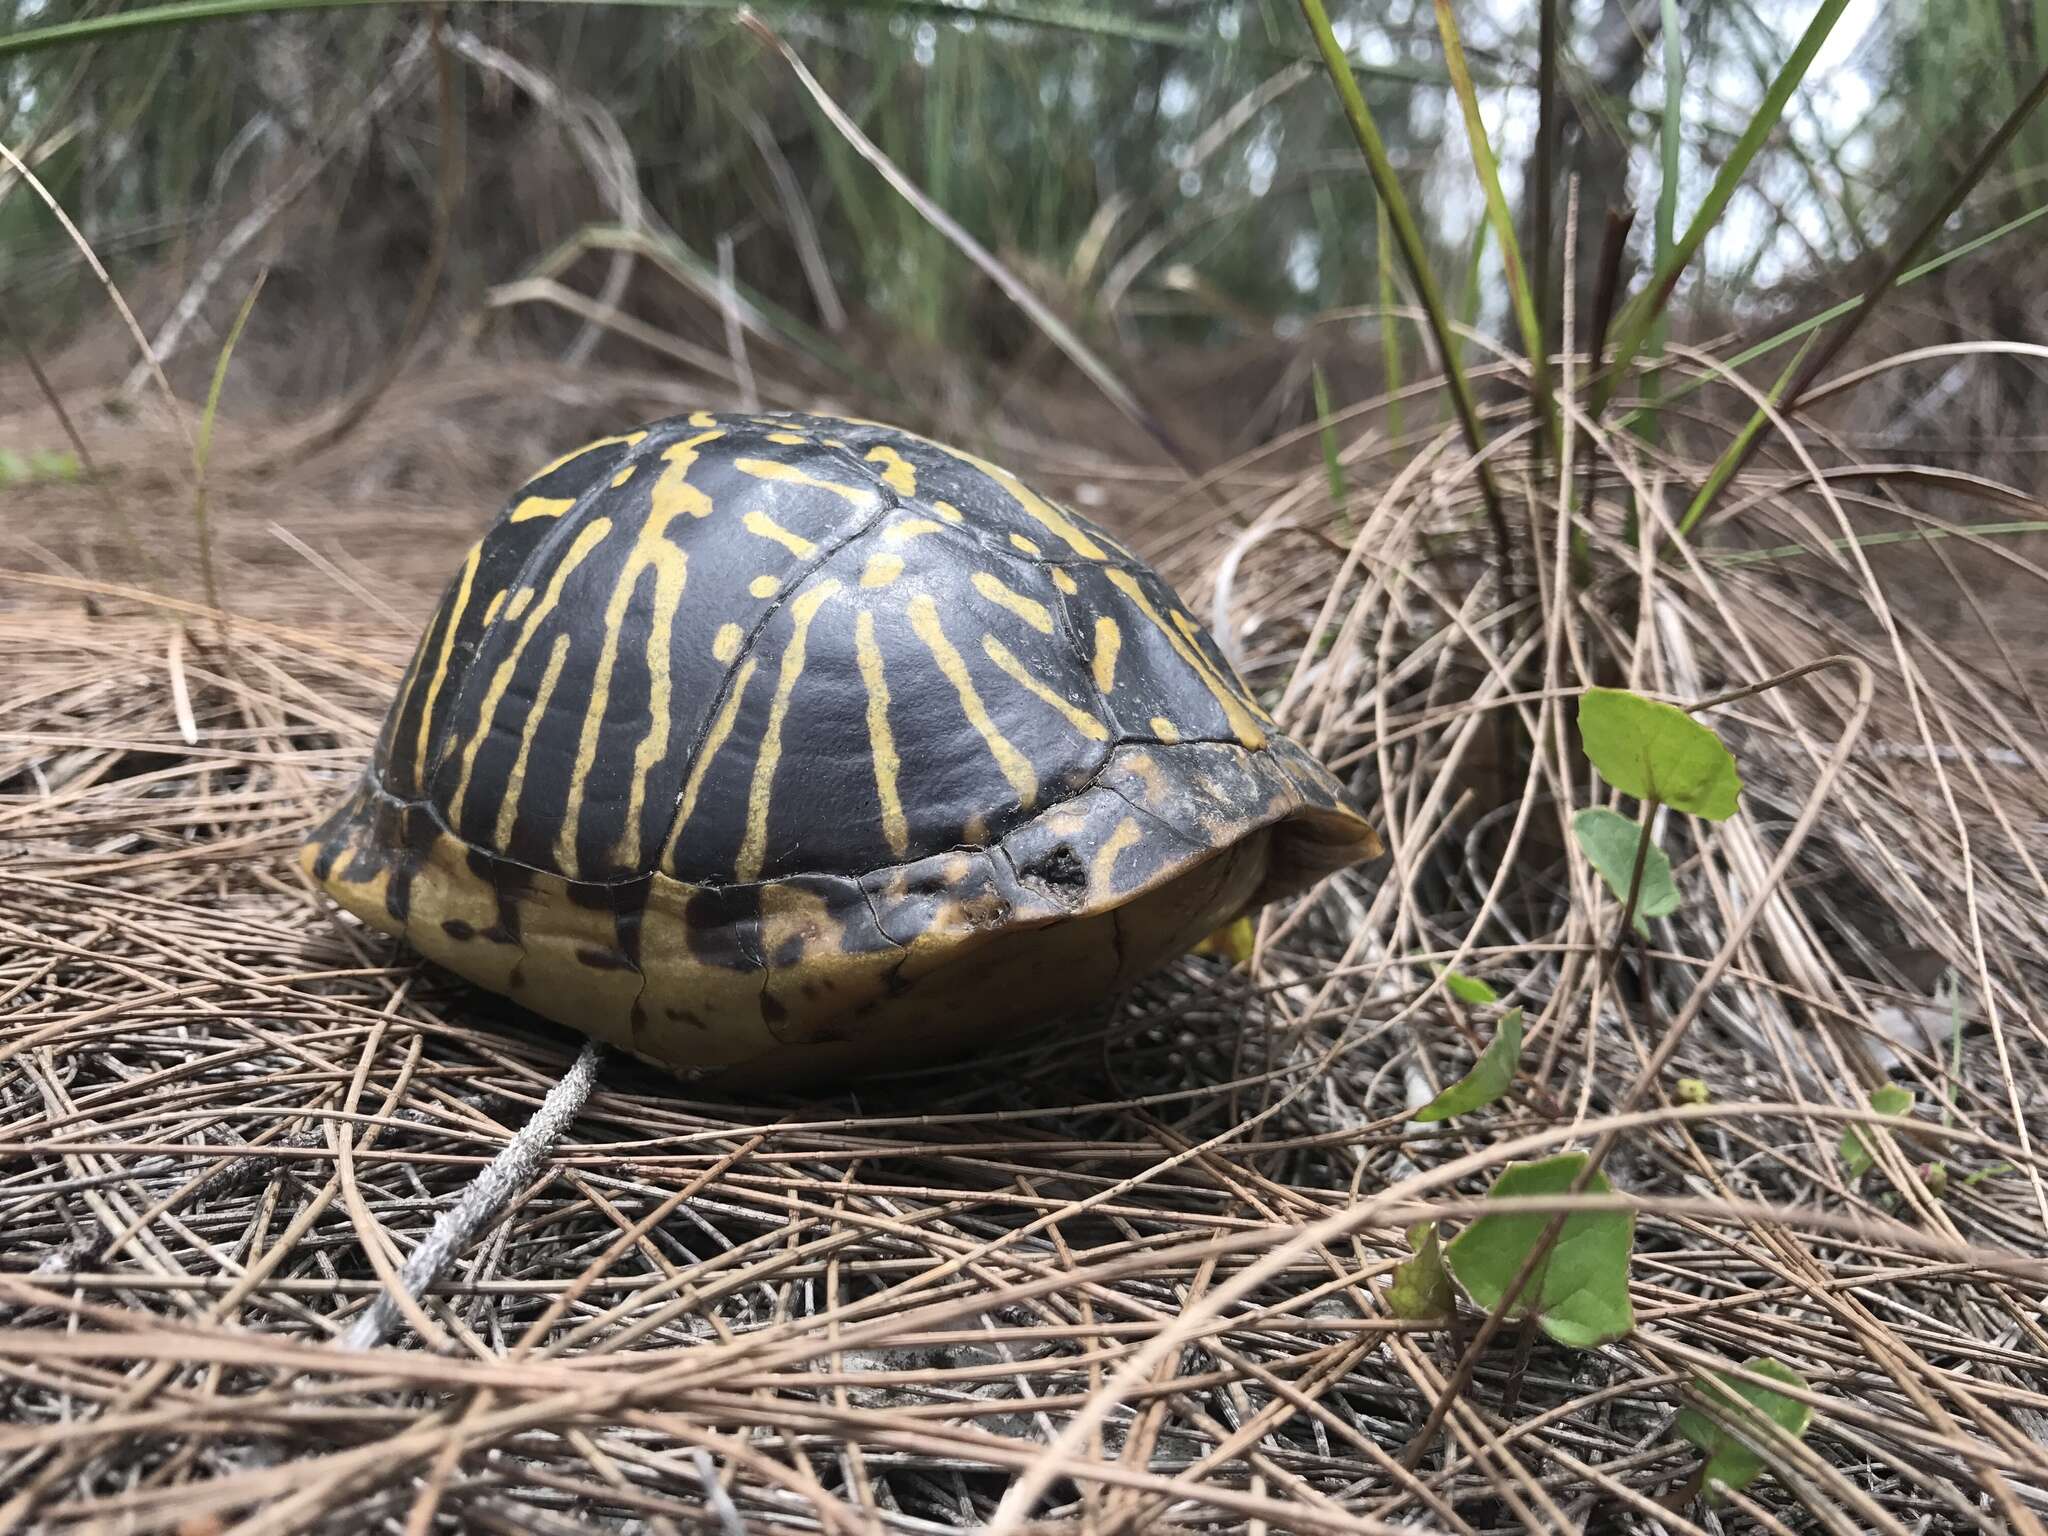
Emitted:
<point x="924" y="619"/>
<point x="789" y="474"/>
<point x="911" y="528"/>
<point x="673" y="492"/>
<point x="1026" y="545"/>
<point x="765" y="586"/>
<point x="1230" y="680"/>
<point x="881" y="569"/>
<point x="521" y="601"/>
<point x="1031" y="611"/>
<point x="1035" y="506"/>
<point x="753" y="847"/>
<point x="721" y="728"/>
<point x="491" y="608"/>
<point x="1165" y="729"/>
<point x="1126" y="833"/>
<point x="881" y="740"/>
<point x="949" y="512"/>
<point x="455" y="611"/>
<point x="1109" y="639"/>
<point x="629" y="439"/>
<point x="541" y="506"/>
<point x="762" y="526"/>
<point x="652" y="550"/>
<point x="899" y="475"/>
<point x="1241" y="722"/>
<point x="1079" y="719"/>
<point x="515" y="782"/>
<point x="726" y="644"/>
<point x="586" y="541"/>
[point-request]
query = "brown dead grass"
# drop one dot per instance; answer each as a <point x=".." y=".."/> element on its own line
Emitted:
<point x="1133" y="1285"/>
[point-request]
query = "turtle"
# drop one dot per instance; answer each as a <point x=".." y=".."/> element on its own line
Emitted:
<point x="776" y="748"/>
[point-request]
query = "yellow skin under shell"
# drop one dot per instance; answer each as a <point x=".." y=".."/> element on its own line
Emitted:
<point x="850" y="837"/>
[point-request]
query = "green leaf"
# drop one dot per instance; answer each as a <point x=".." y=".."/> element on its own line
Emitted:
<point x="1489" y="1078"/>
<point x="14" y="469"/>
<point x="1658" y="752"/>
<point x="1888" y="1100"/>
<point x="1731" y="1426"/>
<point x="1693" y="1090"/>
<point x="1468" y="989"/>
<point x="1609" y="840"/>
<point x="1579" y="1295"/>
<point x="1421" y="1290"/>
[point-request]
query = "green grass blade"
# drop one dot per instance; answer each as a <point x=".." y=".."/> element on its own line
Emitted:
<point x="1487" y="170"/>
<point x="1879" y="540"/>
<point x="1987" y="156"/>
<point x="1834" y="312"/>
<point x="202" y="444"/>
<point x="1042" y="314"/>
<point x="1468" y="303"/>
<point x="1416" y="257"/>
<point x="1326" y="429"/>
<point x="1390" y="329"/>
<point x="1086" y="20"/>
<point x="1633" y="327"/>
<point x="1665" y="235"/>
<point x="1543" y="216"/>
<point x="1738" y="451"/>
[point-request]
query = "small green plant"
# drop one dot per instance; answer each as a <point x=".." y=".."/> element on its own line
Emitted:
<point x="1692" y="1090"/>
<point x="41" y="465"/>
<point x="1579" y="1291"/>
<point x="1658" y="753"/>
<point x="1421" y="1289"/>
<point x="1611" y="844"/>
<point x="1491" y="1075"/>
<point x="1662" y="756"/>
<point x="1738" y="1424"/>
<point x="1856" y="1153"/>
<point x="1468" y="989"/>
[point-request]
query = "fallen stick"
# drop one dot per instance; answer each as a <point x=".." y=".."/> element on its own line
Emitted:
<point x="478" y="1205"/>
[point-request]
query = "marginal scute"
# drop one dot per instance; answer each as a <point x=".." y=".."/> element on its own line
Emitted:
<point x="819" y="745"/>
<point x="827" y="956"/>
<point x="1060" y="854"/>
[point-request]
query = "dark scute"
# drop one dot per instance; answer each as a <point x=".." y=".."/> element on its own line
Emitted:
<point x="398" y="894"/>
<point x="724" y="927"/>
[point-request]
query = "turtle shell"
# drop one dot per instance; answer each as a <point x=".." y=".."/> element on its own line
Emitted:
<point x="785" y="746"/>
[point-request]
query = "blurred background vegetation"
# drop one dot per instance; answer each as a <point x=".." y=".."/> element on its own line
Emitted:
<point x="1172" y="177"/>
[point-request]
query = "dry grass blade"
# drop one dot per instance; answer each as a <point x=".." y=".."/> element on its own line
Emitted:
<point x="1061" y="334"/>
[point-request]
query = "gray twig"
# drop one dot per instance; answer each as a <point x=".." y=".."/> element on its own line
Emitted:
<point x="510" y="1171"/>
<point x="721" y="1503"/>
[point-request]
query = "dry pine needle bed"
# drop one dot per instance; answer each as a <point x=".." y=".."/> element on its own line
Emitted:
<point x="1137" y="1283"/>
